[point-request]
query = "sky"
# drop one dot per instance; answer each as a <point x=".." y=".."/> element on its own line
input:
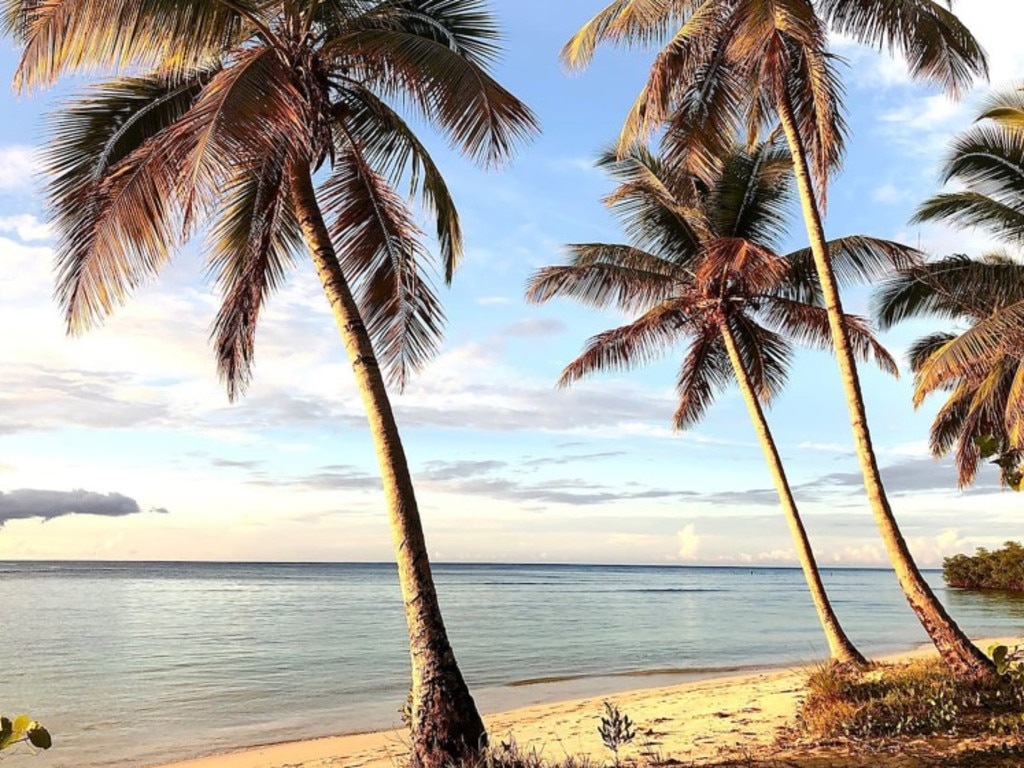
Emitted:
<point x="121" y="444"/>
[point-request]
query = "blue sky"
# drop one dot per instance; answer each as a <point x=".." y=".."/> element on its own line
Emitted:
<point x="507" y="467"/>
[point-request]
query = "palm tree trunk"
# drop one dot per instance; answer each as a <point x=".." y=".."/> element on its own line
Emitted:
<point x="956" y="649"/>
<point x="446" y="726"/>
<point x="840" y="646"/>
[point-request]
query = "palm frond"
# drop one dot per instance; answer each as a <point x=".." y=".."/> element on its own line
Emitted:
<point x="678" y="64"/>
<point x="814" y="91"/>
<point x="956" y="287"/>
<point x="253" y="241"/>
<point x="628" y="346"/>
<point x="989" y="160"/>
<point x="974" y="350"/>
<point x="1005" y="109"/>
<point x="936" y="45"/>
<point x="480" y="117"/>
<point x="765" y="355"/>
<point x="808" y="325"/>
<point x="626" y="22"/>
<point x="923" y="349"/>
<point x="705" y="372"/>
<point x="381" y="256"/>
<point x="753" y="196"/>
<point x="655" y="209"/>
<point x="75" y="36"/>
<point x="602" y="275"/>
<point x="465" y="27"/>
<point x="244" y="114"/>
<point x="855" y="260"/>
<point x="393" y="149"/>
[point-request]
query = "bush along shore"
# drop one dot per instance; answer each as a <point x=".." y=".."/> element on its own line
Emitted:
<point x="987" y="569"/>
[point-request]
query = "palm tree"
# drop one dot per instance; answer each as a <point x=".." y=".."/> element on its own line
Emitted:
<point x="987" y="390"/>
<point x="980" y="367"/>
<point x="231" y="108"/>
<point x="703" y="265"/>
<point x="741" y="65"/>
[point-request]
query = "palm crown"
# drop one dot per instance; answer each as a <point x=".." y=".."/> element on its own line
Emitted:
<point x="702" y="262"/>
<point x="729" y="64"/>
<point x="228" y="102"/>
<point x="979" y="367"/>
<point x="984" y="399"/>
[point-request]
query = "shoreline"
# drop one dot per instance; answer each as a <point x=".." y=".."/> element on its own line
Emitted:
<point x="692" y="718"/>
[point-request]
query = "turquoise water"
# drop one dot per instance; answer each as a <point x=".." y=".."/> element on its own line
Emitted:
<point x="133" y="664"/>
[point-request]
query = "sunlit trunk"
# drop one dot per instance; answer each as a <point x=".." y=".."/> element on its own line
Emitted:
<point x="446" y="726"/>
<point x="841" y="648"/>
<point x="962" y="657"/>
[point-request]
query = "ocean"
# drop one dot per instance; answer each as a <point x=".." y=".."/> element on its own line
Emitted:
<point x="134" y="664"/>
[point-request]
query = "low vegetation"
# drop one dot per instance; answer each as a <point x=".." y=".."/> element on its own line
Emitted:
<point x="916" y="699"/>
<point x="987" y="569"/>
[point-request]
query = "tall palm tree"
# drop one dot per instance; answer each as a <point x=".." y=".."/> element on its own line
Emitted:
<point x="980" y="367"/>
<point x="231" y="108"/>
<point x="987" y="390"/>
<point x="734" y="65"/>
<point x="702" y="264"/>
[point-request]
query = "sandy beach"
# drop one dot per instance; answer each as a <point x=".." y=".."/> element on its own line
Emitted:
<point x="693" y="722"/>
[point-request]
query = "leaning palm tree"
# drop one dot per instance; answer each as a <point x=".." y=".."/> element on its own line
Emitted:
<point x="703" y="265"/>
<point x="744" y="64"/>
<point x="230" y="109"/>
<point x="989" y="387"/>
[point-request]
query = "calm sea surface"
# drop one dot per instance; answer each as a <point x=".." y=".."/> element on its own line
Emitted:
<point x="138" y="663"/>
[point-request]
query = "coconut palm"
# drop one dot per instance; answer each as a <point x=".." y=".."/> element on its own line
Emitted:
<point x="980" y="367"/>
<point x="741" y="65"/>
<point x="230" y="109"/>
<point x="988" y="390"/>
<point x="702" y="264"/>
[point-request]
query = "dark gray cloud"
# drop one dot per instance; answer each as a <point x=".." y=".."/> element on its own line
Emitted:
<point x="27" y="503"/>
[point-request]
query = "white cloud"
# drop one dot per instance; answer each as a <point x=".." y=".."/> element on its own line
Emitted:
<point x="26" y="227"/>
<point x="17" y="168"/>
<point x="932" y="549"/>
<point x="864" y="554"/>
<point x="689" y="542"/>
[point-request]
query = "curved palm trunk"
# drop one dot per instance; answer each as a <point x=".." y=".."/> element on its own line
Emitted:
<point x="840" y="646"/>
<point x="956" y="649"/>
<point x="446" y="726"/>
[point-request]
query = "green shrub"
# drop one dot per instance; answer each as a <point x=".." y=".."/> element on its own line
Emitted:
<point x="987" y="569"/>
<point x="920" y="698"/>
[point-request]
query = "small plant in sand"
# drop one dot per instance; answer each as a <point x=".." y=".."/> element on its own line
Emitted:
<point x="23" y="730"/>
<point x="616" y="729"/>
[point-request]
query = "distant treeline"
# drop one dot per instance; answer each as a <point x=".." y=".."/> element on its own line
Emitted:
<point x="997" y="569"/>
